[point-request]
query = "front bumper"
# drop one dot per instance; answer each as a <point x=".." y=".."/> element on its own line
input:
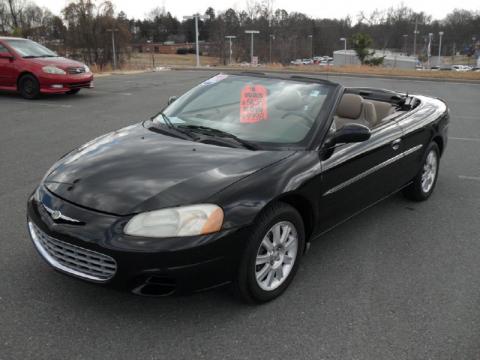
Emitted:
<point x="145" y="266"/>
<point x="54" y="84"/>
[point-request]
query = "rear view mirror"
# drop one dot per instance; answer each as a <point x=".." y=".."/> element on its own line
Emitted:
<point x="172" y="99"/>
<point x="350" y="133"/>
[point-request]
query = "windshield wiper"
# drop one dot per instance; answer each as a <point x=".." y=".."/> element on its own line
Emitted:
<point x="220" y="133"/>
<point x="171" y="128"/>
<point x="30" y="56"/>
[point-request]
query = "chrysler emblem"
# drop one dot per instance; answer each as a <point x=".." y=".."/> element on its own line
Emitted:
<point x="57" y="215"/>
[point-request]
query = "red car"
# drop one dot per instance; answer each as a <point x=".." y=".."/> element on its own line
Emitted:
<point x="32" y="69"/>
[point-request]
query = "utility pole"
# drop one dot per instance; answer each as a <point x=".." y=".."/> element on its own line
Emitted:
<point x="405" y="38"/>
<point x="415" y="33"/>
<point x="272" y="37"/>
<point x="114" y="63"/>
<point x="196" y="16"/>
<point x="230" y="38"/>
<point x="251" y="32"/>
<point x="440" y="47"/>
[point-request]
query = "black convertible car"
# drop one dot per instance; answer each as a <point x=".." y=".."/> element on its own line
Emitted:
<point x="231" y="181"/>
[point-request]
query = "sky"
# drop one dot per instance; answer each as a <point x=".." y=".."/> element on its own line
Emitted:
<point x="319" y="9"/>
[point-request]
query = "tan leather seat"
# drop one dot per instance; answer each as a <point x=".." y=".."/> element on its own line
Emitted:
<point x="354" y="109"/>
<point x="383" y="109"/>
<point x="370" y="114"/>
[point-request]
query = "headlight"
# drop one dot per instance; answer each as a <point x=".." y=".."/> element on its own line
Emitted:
<point x="181" y="221"/>
<point x="87" y="69"/>
<point x="53" y="70"/>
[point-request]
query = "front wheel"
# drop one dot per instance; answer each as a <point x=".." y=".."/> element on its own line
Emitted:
<point x="424" y="183"/>
<point x="29" y="87"/>
<point x="272" y="255"/>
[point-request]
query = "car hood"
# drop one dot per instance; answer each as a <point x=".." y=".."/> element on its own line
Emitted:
<point x="60" y="62"/>
<point x="134" y="169"/>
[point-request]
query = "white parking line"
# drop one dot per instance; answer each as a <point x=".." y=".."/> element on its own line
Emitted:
<point x="464" y="177"/>
<point x="464" y="139"/>
<point x="43" y="104"/>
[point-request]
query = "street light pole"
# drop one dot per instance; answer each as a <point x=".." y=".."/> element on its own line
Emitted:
<point x="251" y="32"/>
<point x="230" y="38"/>
<point x="114" y="63"/>
<point x="272" y="37"/>
<point x="196" y="17"/>
<point x="415" y="33"/>
<point x="311" y="45"/>
<point x="440" y="47"/>
<point x="429" y="50"/>
<point x="344" y="48"/>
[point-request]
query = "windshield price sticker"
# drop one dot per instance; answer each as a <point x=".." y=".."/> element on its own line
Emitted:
<point x="253" y="104"/>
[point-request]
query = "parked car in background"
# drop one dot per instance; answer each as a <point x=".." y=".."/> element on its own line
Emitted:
<point x="307" y="61"/>
<point x="460" y="68"/>
<point x="296" y="62"/>
<point x="31" y="69"/>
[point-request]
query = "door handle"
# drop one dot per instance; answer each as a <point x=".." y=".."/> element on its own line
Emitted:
<point x="396" y="144"/>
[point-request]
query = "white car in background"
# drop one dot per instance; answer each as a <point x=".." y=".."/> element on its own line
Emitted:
<point x="461" y="68"/>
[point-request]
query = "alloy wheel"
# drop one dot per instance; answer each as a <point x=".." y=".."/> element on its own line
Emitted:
<point x="276" y="255"/>
<point x="429" y="171"/>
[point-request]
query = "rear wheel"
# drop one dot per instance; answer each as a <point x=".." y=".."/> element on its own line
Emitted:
<point x="72" y="92"/>
<point x="424" y="183"/>
<point x="272" y="255"/>
<point x="29" y="87"/>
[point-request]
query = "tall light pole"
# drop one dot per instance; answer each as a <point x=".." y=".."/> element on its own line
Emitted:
<point x="230" y="38"/>
<point x="429" y="49"/>
<point x="196" y="16"/>
<point x="311" y="45"/>
<point x="113" y="48"/>
<point x="344" y="48"/>
<point x="440" y="47"/>
<point x="272" y="37"/>
<point x="415" y="33"/>
<point x="251" y="32"/>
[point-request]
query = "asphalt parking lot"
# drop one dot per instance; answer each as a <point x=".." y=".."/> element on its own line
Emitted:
<point x="399" y="281"/>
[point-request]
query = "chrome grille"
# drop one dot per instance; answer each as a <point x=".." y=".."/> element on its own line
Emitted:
<point x="73" y="259"/>
<point x="76" y="70"/>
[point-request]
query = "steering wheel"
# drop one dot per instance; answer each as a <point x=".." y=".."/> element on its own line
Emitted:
<point x="307" y="119"/>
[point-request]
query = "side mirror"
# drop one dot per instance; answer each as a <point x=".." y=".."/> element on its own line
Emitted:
<point x="350" y="133"/>
<point x="172" y="99"/>
<point x="6" y="55"/>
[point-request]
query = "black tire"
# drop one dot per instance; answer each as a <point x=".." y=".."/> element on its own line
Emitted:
<point x="415" y="191"/>
<point x="29" y="87"/>
<point x="246" y="286"/>
<point x="72" y="92"/>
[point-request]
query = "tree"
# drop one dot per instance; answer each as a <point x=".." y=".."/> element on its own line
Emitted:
<point x="362" y="44"/>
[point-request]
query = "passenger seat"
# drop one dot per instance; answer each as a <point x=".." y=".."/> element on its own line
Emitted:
<point x="353" y="109"/>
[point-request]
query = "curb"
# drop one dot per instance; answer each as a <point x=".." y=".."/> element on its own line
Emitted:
<point x="327" y="74"/>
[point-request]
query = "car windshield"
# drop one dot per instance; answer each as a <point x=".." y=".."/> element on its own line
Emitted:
<point x="28" y="48"/>
<point x="254" y="109"/>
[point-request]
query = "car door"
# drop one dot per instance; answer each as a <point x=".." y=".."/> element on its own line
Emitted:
<point x="359" y="174"/>
<point x="6" y="67"/>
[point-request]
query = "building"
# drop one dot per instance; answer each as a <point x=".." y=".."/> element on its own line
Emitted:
<point x="393" y="60"/>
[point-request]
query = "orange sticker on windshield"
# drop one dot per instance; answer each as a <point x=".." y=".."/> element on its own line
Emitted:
<point x="253" y="104"/>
